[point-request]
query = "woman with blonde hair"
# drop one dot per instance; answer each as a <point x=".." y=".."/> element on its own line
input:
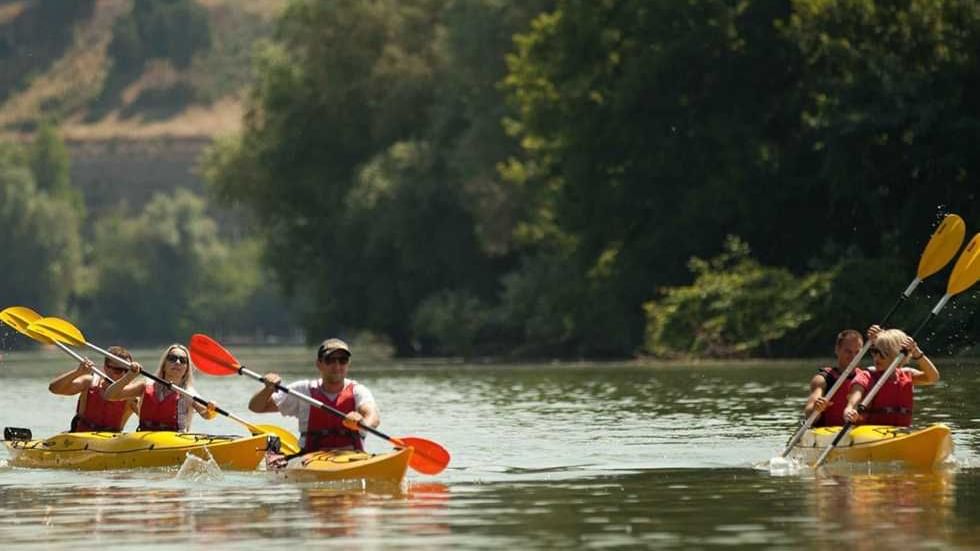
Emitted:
<point x="894" y="402"/>
<point x="162" y="408"/>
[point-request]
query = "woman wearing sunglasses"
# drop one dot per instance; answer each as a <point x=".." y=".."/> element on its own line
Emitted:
<point x="93" y="412"/>
<point x="893" y="404"/>
<point x="320" y="430"/>
<point x="160" y="407"/>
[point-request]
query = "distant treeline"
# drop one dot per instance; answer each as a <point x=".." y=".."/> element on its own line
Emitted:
<point x="584" y="178"/>
<point x="154" y="275"/>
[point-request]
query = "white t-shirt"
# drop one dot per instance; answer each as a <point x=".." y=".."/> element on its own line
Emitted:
<point x="292" y="406"/>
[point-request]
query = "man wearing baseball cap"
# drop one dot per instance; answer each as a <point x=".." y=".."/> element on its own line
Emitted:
<point x="319" y="429"/>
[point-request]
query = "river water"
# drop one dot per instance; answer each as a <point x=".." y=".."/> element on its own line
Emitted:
<point x="553" y="456"/>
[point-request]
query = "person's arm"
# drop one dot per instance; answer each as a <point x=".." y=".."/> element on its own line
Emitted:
<point x="73" y="382"/>
<point x="818" y="385"/>
<point x="262" y="401"/>
<point x="370" y="416"/>
<point x="854" y="397"/>
<point x="926" y="374"/>
<point x="366" y="413"/>
<point x="132" y="406"/>
<point x="125" y="388"/>
<point x="208" y="411"/>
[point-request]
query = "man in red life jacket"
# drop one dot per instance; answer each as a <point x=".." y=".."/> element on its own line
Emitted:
<point x="849" y="343"/>
<point x="94" y="412"/>
<point x="319" y="429"/>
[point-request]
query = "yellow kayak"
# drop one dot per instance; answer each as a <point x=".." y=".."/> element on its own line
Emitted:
<point x="921" y="448"/>
<point x="347" y="465"/>
<point x="93" y="451"/>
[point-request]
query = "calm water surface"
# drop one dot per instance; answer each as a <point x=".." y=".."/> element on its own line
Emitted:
<point x="544" y="456"/>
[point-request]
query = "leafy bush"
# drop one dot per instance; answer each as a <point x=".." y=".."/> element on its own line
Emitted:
<point x="735" y="307"/>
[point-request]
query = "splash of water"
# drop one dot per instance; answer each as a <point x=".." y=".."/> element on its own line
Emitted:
<point x="781" y="466"/>
<point x="196" y="469"/>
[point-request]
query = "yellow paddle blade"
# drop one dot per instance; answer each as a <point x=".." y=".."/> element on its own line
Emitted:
<point x="19" y="317"/>
<point x="942" y="246"/>
<point x="60" y="330"/>
<point x="36" y="332"/>
<point x="967" y="268"/>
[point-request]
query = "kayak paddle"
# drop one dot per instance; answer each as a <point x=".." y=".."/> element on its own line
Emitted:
<point x="21" y="318"/>
<point x="965" y="274"/>
<point x="60" y="330"/>
<point x="210" y="357"/>
<point x="942" y="246"/>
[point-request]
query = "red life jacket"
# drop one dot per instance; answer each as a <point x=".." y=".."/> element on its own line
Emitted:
<point x="833" y="416"/>
<point x="326" y="431"/>
<point x="100" y="414"/>
<point x="894" y="402"/>
<point x="158" y="414"/>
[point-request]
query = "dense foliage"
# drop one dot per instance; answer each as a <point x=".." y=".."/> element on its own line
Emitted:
<point x="40" y="242"/>
<point x="559" y="177"/>
<point x="641" y="133"/>
<point x="365" y="159"/>
<point x="156" y="274"/>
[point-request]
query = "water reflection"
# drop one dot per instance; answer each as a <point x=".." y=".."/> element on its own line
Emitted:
<point x="565" y="456"/>
<point x="252" y="508"/>
<point x="887" y="509"/>
<point x="358" y="509"/>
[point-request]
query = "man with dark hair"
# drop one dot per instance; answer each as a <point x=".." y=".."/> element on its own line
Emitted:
<point x="321" y="430"/>
<point x="849" y="343"/>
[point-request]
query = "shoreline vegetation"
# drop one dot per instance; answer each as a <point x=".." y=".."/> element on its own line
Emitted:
<point x="276" y="356"/>
<point x="548" y="179"/>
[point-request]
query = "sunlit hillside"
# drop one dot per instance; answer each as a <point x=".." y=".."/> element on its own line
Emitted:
<point x="68" y="72"/>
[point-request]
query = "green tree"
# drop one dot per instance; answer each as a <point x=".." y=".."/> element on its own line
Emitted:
<point x="50" y="162"/>
<point x="40" y="244"/>
<point x="165" y="272"/>
<point x="887" y="116"/>
<point x="644" y="131"/>
<point x="652" y="129"/>
<point x="51" y="165"/>
<point x="342" y="165"/>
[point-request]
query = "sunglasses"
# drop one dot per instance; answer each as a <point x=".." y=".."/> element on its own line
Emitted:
<point x="876" y="352"/>
<point x="342" y="360"/>
<point x="116" y="367"/>
<point x="175" y="359"/>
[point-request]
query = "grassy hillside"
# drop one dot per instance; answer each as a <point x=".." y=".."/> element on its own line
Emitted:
<point x="59" y="63"/>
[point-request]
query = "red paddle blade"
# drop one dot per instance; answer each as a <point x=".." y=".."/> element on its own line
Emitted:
<point x="428" y="458"/>
<point x="212" y="358"/>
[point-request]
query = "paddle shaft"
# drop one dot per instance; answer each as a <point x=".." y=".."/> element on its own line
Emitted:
<point x="242" y="370"/>
<point x="81" y="359"/>
<point x="808" y="423"/>
<point x="174" y="387"/>
<point x="866" y="402"/>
